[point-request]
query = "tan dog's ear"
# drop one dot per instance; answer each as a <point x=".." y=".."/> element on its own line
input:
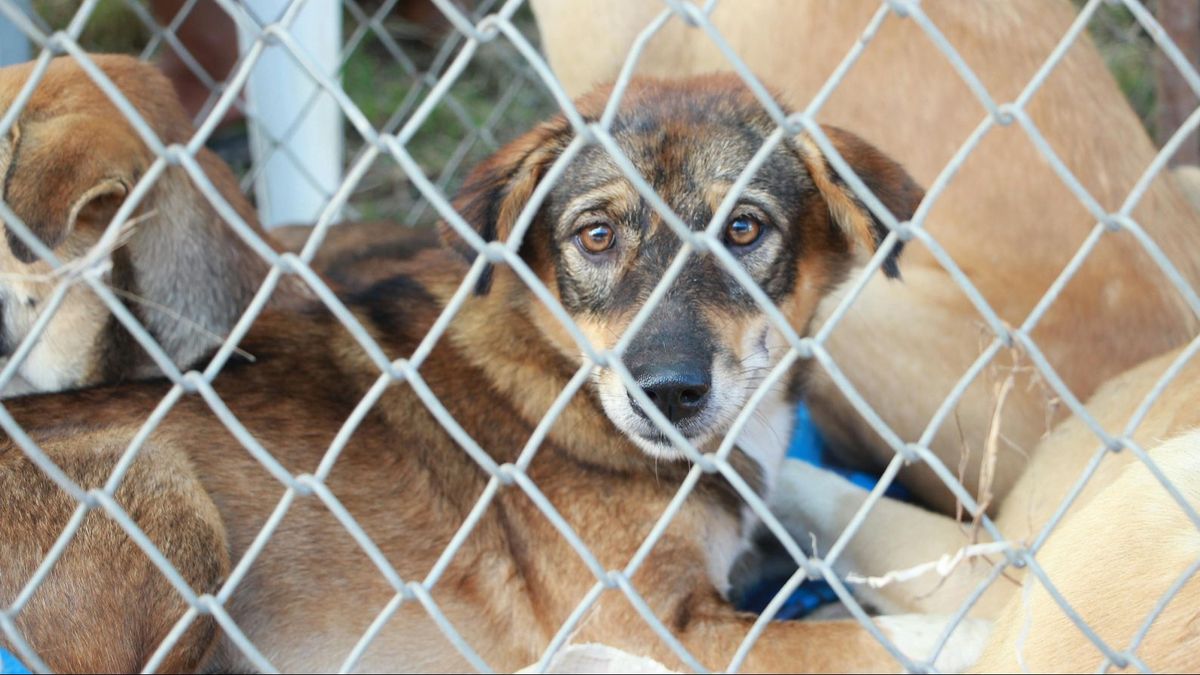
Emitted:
<point x="886" y="179"/>
<point x="66" y="172"/>
<point x="495" y="192"/>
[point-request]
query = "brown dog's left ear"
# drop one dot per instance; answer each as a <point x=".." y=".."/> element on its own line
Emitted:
<point x="495" y="192"/>
<point x="67" y="171"/>
<point x="886" y="179"/>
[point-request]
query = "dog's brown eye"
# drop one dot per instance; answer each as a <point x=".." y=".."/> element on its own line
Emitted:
<point x="596" y="238"/>
<point x="742" y="231"/>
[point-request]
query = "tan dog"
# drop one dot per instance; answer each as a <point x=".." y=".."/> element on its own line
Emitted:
<point x="68" y="164"/>
<point x="1005" y="218"/>
<point x="1123" y="543"/>
<point x="312" y="592"/>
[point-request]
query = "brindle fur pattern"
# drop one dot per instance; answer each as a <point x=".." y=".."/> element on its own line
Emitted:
<point x="312" y="593"/>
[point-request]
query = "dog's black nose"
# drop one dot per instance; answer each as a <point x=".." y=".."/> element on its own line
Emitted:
<point x="679" y="392"/>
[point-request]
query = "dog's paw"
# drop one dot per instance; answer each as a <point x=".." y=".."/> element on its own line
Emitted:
<point x="917" y="635"/>
<point x="597" y="658"/>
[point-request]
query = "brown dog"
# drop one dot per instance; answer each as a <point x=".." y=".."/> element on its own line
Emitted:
<point x="68" y="163"/>
<point x="1006" y="218"/>
<point x="310" y="594"/>
<point x="356" y="255"/>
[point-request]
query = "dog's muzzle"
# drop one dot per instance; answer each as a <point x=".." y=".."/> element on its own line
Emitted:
<point x="679" y="391"/>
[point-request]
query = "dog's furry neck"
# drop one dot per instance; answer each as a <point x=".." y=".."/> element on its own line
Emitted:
<point x="497" y="334"/>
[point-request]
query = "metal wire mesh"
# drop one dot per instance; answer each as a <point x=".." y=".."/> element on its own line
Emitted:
<point x="432" y="89"/>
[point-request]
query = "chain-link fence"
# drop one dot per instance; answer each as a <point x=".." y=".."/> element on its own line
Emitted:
<point x="409" y="138"/>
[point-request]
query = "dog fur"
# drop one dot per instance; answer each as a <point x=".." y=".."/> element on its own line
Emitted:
<point x="67" y="164"/>
<point x="312" y="591"/>
<point x="1005" y="218"/>
<point x="356" y="255"/>
<point x="1010" y="225"/>
<point x="1121" y="544"/>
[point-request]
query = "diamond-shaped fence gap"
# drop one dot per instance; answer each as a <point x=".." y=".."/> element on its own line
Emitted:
<point x="351" y="526"/>
<point x="768" y="614"/>
<point x="487" y="103"/>
<point x="1169" y="376"/>
<point x="696" y="17"/>
<point x="1069" y="611"/>
<point x="481" y="140"/>
<point x="8" y="628"/>
<point x="243" y="435"/>
<point x="165" y="39"/>
<point x="968" y="603"/>
<point x="1166" y="483"/>
<point x="409" y="590"/>
<point x="448" y="629"/>
<point x="1165" y="154"/>
<point x="856" y="610"/>
<point x="51" y="558"/>
<point x="604" y="578"/>
<point x="823" y="565"/>
<point x="847" y="63"/>
<point x="1159" y="608"/>
<point x="104" y="500"/>
<point x="774" y="378"/>
<point x="495" y="252"/>
<point x="171" y="639"/>
<point x="1077" y="488"/>
<point x="337" y="201"/>
<point x="423" y="77"/>
<point x="373" y="629"/>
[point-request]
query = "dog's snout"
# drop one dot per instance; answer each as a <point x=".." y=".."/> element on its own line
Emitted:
<point x="678" y="391"/>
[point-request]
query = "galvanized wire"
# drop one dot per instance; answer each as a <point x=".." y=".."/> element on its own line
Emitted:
<point x="432" y="88"/>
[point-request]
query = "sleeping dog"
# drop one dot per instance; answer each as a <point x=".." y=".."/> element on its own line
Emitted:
<point x="600" y="248"/>
<point x="66" y="166"/>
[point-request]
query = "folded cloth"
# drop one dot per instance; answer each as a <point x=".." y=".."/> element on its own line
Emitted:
<point x="807" y="445"/>
<point x="9" y="665"/>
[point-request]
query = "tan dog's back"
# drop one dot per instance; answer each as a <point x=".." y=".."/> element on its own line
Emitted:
<point x="1114" y="560"/>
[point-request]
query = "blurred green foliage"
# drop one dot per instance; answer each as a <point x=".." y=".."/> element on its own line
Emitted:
<point x="386" y="91"/>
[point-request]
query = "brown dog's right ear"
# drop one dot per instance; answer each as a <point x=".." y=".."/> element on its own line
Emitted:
<point x="882" y="175"/>
<point x="495" y="192"/>
<point x="65" y="172"/>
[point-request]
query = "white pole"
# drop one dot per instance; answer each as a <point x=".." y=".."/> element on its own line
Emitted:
<point x="300" y="174"/>
<point x="14" y="46"/>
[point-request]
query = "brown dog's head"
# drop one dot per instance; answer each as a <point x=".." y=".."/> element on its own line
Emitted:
<point x="66" y="166"/>
<point x="601" y="248"/>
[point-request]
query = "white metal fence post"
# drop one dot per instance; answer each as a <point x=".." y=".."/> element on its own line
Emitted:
<point x="299" y="143"/>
